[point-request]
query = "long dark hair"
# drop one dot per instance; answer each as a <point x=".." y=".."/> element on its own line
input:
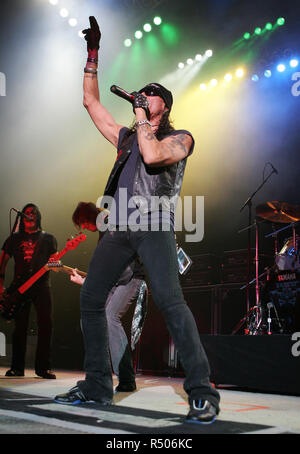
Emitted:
<point x="165" y="126"/>
<point x="38" y="217"/>
<point x="85" y="212"/>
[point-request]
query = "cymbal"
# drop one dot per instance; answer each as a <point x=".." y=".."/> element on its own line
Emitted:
<point x="281" y="212"/>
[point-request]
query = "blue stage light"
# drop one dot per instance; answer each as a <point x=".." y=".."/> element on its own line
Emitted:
<point x="281" y="67"/>
<point x="294" y="63"/>
<point x="255" y="78"/>
<point x="268" y="73"/>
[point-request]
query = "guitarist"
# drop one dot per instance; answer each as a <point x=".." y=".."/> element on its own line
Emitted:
<point x="130" y="285"/>
<point x="31" y="248"/>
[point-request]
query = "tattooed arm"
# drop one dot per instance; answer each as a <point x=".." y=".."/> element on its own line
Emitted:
<point x="165" y="152"/>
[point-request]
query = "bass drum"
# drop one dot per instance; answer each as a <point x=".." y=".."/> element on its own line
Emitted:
<point x="287" y="259"/>
<point x="280" y="300"/>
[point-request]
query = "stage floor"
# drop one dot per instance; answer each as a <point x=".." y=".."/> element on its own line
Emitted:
<point x="157" y="407"/>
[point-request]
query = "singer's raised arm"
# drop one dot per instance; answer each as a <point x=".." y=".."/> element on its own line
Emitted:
<point x="102" y="119"/>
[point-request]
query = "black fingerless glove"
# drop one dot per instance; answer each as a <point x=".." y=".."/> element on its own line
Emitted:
<point x="140" y="101"/>
<point x="92" y="35"/>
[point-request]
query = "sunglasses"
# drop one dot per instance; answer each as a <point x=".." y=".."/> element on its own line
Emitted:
<point x="152" y="91"/>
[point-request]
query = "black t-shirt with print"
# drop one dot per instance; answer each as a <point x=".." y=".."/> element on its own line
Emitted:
<point x="30" y="251"/>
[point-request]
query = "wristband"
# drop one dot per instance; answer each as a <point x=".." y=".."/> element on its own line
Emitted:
<point x="92" y="60"/>
<point x="90" y="70"/>
<point x="142" y="122"/>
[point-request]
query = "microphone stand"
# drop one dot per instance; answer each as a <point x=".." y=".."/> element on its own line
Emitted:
<point x="249" y="204"/>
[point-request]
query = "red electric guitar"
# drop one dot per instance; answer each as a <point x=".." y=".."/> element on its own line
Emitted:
<point x="13" y="300"/>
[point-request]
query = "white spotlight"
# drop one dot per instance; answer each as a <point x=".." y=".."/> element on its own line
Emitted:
<point x="190" y="61"/>
<point x="64" y="12"/>
<point x="213" y="82"/>
<point x="73" y="22"/>
<point x="281" y="68"/>
<point x="180" y="65"/>
<point x="198" y="57"/>
<point x="294" y="63"/>
<point x="239" y="72"/>
<point x="228" y="77"/>
<point x="53" y="2"/>
<point x="203" y="87"/>
<point x="208" y="53"/>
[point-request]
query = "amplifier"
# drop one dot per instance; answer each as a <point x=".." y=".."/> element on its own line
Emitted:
<point x="234" y="266"/>
<point x="235" y="275"/>
<point x="205" y="270"/>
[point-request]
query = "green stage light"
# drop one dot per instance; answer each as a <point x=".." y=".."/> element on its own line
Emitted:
<point x="257" y="31"/>
<point x="127" y="42"/>
<point x="157" y="20"/>
<point x="138" y="34"/>
<point x="280" y="21"/>
<point x="247" y="35"/>
<point x="169" y="34"/>
<point x="269" y="26"/>
<point x="147" y="28"/>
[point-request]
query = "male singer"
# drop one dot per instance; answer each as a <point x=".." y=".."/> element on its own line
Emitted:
<point x="151" y="161"/>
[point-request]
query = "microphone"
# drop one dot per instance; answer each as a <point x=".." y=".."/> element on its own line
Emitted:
<point x="22" y="214"/>
<point x="122" y="93"/>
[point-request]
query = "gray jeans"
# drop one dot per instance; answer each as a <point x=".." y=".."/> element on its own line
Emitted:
<point x="118" y="302"/>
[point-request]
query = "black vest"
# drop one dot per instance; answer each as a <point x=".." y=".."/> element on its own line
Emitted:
<point x="154" y="188"/>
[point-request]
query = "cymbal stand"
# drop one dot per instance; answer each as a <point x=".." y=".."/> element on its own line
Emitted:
<point x="249" y="204"/>
<point x="258" y="310"/>
<point x="253" y="328"/>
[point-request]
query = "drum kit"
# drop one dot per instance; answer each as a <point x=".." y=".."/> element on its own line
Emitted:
<point x="277" y="306"/>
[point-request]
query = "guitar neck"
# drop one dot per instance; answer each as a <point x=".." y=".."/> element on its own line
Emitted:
<point x="32" y="279"/>
<point x="40" y="273"/>
<point x="69" y="270"/>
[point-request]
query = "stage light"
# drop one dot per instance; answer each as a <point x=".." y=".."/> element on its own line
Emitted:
<point x="80" y="34"/>
<point x="127" y="42"/>
<point x="228" y="77"/>
<point x="202" y="87"/>
<point x="73" y="22"/>
<point x="268" y="73"/>
<point x="280" y="68"/>
<point x="294" y="63"/>
<point x="247" y="35"/>
<point x="198" y="57"/>
<point x="147" y="28"/>
<point x="138" y="34"/>
<point x="239" y="72"/>
<point x="257" y="31"/>
<point x="180" y="65"/>
<point x="213" y="82"/>
<point x="53" y="2"/>
<point x="64" y="12"/>
<point x="208" y="53"/>
<point x="190" y="61"/>
<point x="255" y="78"/>
<point x="157" y="20"/>
<point x="280" y="21"/>
<point x="269" y="26"/>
